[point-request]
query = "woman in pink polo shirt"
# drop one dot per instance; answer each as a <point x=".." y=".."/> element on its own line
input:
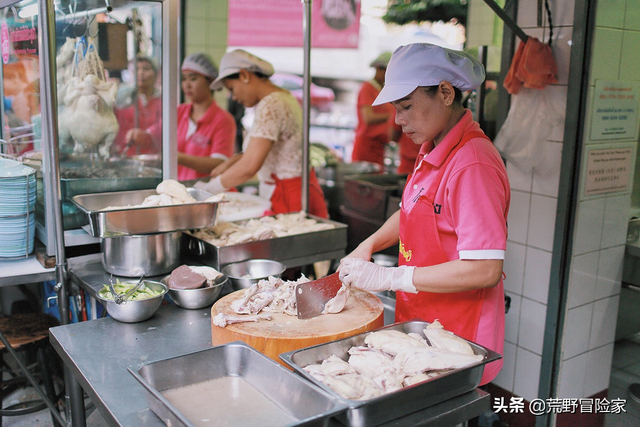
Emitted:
<point x="206" y="132"/>
<point x="452" y="225"/>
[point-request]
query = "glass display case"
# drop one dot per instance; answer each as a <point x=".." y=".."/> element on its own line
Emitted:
<point x="112" y="98"/>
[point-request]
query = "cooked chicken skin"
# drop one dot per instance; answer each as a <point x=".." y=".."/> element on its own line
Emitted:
<point x="391" y="341"/>
<point x="440" y="338"/>
<point x="390" y="361"/>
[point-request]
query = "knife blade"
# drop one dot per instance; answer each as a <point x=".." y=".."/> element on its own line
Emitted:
<point x="312" y="296"/>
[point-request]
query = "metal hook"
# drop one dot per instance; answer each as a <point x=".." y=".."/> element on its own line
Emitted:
<point x="88" y="29"/>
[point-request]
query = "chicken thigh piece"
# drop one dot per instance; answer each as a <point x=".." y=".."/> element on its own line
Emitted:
<point x="441" y="338"/>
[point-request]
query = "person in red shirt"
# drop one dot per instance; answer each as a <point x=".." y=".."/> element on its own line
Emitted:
<point x="451" y="228"/>
<point x="142" y="137"/>
<point x="372" y="132"/>
<point x="407" y="149"/>
<point x="206" y="132"/>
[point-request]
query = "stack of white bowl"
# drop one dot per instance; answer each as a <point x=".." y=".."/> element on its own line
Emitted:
<point x="17" y="209"/>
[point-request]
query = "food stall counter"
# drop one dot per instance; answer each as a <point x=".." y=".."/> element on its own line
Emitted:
<point x="98" y="353"/>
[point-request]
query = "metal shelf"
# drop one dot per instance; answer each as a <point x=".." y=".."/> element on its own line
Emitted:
<point x="19" y="271"/>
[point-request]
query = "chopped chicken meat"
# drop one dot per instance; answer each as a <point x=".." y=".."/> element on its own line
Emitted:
<point x="337" y="303"/>
<point x="267" y="227"/>
<point x="222" y="320"/>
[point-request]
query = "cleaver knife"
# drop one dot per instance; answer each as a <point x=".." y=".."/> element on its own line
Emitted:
<point x="311" y="297"/>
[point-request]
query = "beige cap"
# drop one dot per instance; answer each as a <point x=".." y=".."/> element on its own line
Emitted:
<point x="234" y="61"/>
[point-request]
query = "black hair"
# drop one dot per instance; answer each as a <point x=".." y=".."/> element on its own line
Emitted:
<point x="236" y="76"/>
<point x="430" y="90"/>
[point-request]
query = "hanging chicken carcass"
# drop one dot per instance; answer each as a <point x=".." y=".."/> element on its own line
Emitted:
<point x="86" y="116"/>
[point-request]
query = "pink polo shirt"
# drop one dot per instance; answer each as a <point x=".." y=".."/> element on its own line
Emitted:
<point x="214" y="136"/>
<point x="473" y="200"/>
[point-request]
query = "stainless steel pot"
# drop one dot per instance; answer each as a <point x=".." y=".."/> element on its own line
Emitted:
<point x="135" y="255"/>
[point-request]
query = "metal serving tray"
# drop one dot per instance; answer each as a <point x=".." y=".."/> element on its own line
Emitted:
<point x="146" y="220"/>
<point x="292" y="251"/>
<point x="401" y="402"/>
<point x="295" y="401"/>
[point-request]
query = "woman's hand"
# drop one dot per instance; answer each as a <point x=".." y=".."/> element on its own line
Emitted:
<point x="139" y="138"/>
<point x="375" y="278"/>
<point x="218" y="170"/>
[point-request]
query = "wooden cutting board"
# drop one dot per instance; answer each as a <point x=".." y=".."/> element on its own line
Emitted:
<point x="363" y="312"/>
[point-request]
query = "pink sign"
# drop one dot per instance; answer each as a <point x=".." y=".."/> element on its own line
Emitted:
<point x="278" y="23"/>
<point x="4" y="42"/>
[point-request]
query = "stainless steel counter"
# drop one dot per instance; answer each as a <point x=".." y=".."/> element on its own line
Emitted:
<point x="98" y="352"/>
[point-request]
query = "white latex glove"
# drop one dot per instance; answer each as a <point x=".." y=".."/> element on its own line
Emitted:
<point x="214" y="186"/>
<point x="375" y="278"/>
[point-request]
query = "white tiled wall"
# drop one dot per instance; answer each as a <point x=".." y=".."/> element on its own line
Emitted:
<point x="530" y="334"/>
<point x="527" y="373"/>
<point x="600" y="234"/>
<point x="600" y="229"/>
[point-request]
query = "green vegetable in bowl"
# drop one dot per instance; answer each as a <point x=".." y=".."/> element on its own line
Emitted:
<point x="143" y="292"/>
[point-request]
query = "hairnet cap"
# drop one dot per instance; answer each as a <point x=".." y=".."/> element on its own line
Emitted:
<point x="201" y="64"/>
<point x="381" y="61"/>
<point x="234" y="61"/>
<point x="424" y="64"/>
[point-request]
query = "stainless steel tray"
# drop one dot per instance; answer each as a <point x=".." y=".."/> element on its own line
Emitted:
<point x="146" y="220"/>
<point x="292" y="251"/>
<point x="295" y="400"/>
<point x="401" y="402"/>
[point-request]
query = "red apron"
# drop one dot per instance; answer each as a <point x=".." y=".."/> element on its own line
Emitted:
<point x="458" y="312"/>
<point x="287" y="196"/>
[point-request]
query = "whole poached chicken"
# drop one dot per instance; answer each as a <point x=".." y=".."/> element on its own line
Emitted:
<point x="88" y="117"/>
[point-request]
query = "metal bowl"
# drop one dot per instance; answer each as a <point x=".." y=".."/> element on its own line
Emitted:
<point x="196" y="298"/>
<point x="245" y="273"/>
<point x="136" y="311"/>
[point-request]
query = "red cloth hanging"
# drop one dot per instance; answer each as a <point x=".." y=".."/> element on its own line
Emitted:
<point x="533" y="66"/>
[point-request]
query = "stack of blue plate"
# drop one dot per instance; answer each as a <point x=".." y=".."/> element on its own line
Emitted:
<point x="17" y="209"/>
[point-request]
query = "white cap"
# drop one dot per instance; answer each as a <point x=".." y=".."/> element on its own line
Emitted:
<point x="232" y="62"/>
<point x="201" y="64"/>
<point x="423" y="64"/>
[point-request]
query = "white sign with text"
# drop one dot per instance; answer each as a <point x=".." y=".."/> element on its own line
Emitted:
<point x="615" y="110"/>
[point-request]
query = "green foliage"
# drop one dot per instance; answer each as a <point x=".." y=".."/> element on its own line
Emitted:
<point x="407" y="11"/>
